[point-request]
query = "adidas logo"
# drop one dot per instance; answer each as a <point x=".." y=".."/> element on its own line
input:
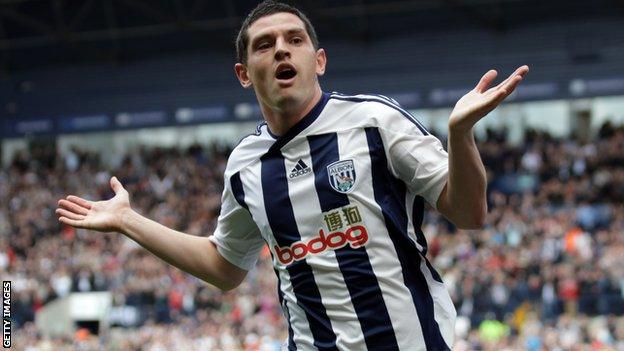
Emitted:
<point x="300" y="169"/>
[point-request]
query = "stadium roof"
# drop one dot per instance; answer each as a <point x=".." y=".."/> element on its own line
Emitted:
<point x="35" y="33"/>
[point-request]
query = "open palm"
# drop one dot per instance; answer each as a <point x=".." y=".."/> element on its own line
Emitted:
<point x="480" y="101"/>
<point x="103" y="216"/>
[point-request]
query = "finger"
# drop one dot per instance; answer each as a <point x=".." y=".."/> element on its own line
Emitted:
<point x="116" y="185"/>
<point x="69" y="221"/>
<point x="501" y="85"/>
<point x="494" y="97"/>
<point x="502" y="93"/>
<point x="509" y="87"/>
<point x="523" y="70"/>
<point x="486" y="80"/>
<point x="80" y="201"/>
<point x="61" y="212"/>
<point x="73" y="207"/>
<point x="520" y="71"/>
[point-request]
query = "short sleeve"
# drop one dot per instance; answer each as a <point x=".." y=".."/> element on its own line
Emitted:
<point x="237" y="236"/>
<point x="415" y="156"/>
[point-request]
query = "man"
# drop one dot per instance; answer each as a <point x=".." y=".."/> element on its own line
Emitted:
<point x="335" y="185"/>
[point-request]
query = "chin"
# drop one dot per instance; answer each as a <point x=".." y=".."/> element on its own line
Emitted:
<point x="287" y="98"/>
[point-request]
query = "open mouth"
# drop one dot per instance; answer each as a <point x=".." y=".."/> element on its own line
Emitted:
<point x="285" y="72"/>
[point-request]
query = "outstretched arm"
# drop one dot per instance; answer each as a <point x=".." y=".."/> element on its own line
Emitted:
<point x="463" y="200"/>
<point x="195" y="255"/>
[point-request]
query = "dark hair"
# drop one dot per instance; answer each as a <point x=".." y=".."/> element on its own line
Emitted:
<point x="267" y="8"/>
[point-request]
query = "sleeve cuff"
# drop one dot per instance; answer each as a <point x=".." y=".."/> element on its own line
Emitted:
<point x="242" y="263"/>
<point x="432" y="192"/>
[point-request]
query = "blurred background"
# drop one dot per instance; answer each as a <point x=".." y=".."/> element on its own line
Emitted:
<point x="145" y="90"/>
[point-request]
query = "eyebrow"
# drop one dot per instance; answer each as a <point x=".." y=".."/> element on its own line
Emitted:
<point x="292" y="31"/>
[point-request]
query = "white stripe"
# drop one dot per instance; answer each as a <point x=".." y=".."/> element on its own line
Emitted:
<point x="380" y="249"/>
<point x="252" y="185"/>
<point x="443" y="309"/>
<point x="334" y="295"/>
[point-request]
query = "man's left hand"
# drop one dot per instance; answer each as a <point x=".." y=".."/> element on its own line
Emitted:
<point x="481" y="100"/>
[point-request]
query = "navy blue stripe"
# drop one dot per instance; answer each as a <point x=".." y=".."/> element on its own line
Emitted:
<point x="281" y="218"/>
<point x="277" y="201"/>
<point x="387" y="98"/>
<point x="394" y="103"/>
<point x="309" y="299"/>
<point x="324" y="151"/>
<point x="301" y="125"/>
<point x="291" y="335"/>
<point x="280" y="295"/>
<point x="237" y="189"/>
<point x="418" y="212"/>
<point x="434" y="273"/>
<point x="387" y="103"/>
<point x="390" y="195"/>
<point x="354" y="263"/>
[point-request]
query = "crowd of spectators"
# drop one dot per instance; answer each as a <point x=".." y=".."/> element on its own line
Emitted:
<point x="544" y="273"/>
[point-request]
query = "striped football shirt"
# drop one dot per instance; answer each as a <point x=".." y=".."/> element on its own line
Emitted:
<point x="339" y="201"/>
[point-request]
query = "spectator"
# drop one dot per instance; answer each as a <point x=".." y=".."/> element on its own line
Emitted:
<point x="552" y="246"/>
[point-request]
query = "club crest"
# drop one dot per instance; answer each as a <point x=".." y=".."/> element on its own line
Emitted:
<point x="341" y="175"/>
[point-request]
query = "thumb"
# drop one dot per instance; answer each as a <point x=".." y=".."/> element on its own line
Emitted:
<point x="116" y="185"/>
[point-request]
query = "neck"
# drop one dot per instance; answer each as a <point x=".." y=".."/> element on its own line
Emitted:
<point x="281" y="119"/>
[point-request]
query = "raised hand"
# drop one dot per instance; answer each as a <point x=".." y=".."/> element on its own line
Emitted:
<point x="481" y="100"/>
<point x="105" y="216"/>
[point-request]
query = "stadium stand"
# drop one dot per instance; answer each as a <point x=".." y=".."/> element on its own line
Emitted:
<point x="545" y="273"/>
<point x="552" y="276"/>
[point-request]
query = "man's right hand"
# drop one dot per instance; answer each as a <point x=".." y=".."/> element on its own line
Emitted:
<point x="196" y="255"/>
<point x="104" y="216"/>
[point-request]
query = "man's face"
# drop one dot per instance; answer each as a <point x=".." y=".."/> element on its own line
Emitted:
<point x="282" y="64"/>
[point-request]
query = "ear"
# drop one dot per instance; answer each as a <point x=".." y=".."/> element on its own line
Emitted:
<point x="241" y="74"/>
<point x="321" y="61"/>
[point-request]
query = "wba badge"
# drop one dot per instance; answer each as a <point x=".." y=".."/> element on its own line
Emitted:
<point x="341" y="175"/>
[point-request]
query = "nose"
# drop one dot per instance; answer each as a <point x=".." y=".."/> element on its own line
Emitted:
<point x="281" y="49"/>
